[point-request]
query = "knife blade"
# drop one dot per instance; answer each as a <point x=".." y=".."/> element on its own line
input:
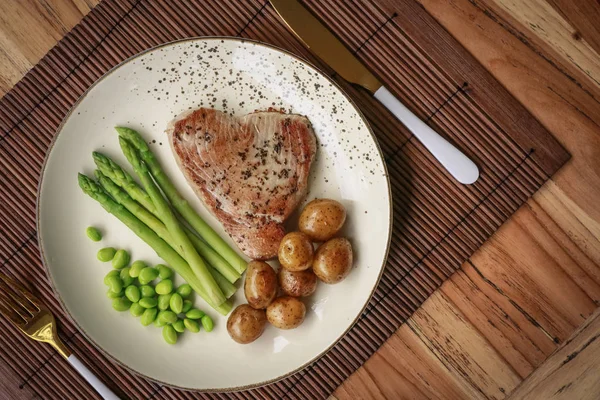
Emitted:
<point x="325" y="45"/>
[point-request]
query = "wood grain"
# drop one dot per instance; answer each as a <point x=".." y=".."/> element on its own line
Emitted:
<point x="29" y="28"/>
<point x="583" y="15"/>
<point x="529" y="288"/>
<point x="545" y="28"/>
<point x="536" y="280"/>
<point x="571" y="372"/>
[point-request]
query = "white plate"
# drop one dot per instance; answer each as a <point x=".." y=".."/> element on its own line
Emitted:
<point x="145" y="92"/>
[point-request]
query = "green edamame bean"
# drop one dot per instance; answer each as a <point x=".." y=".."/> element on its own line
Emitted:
<point x="179" y="326"/>
<point x="164" y="287"/>
<point x="136" y="267"/>
<point x="169" y="334"/>
<point x="147" y="275"/>
<point x="148" y="302"/>
<point x="207" y="323"/>
<point x="184" y="290"/>
<point x="111" y="273"/>
<point x="121" y="304"/>
<point x="106" y="254"/>
<point x="112" y="295"/>
<point x="133" y="293"/>
<point x="159" y="323"/>
<point x="194" y="313"/>
<point x="168" y="316"/>
<point x="187" y="306"/>
<point x="147" y="291"/>
<point x="160" y="314"/>
<point x="191" y="325"/>
<point x="148" y="316"/>
<point x="93" y="233"/>
<point x="121" y="259"/>
<point x="136" y="310"/>
<point x="176" y="303"/>
<point x="115" y="283"/>
<point x="164" y="272"/>
<point x="125" y="277"/>
<point x="163" y="301"/>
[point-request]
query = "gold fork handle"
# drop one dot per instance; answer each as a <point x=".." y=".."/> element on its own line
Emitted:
<point x="60" y="347"/>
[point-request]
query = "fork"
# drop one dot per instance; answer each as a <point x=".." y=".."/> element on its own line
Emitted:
<point x="28" y="314"/>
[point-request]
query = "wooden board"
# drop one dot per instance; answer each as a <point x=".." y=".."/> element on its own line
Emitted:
<point x="565" y="215"/>
<point x="571" y="372"/>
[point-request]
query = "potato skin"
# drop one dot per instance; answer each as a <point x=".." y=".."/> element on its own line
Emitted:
<point x="296" y="252"/>
<point x="260" y="286"/>
<point x="246" y="324"/>
<point x="333" y="260"/>
<point x="286" y="312"/>
<point x="297" y="283"/>
<point x="322" y="219"/>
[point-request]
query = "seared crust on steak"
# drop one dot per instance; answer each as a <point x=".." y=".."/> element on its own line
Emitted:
<point x="251" y="172"/>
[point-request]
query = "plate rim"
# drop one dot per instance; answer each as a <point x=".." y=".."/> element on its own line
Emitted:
<point x="39" y="201"/>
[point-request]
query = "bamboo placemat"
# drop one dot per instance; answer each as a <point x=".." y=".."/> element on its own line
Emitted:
<point x="438" y="223"/>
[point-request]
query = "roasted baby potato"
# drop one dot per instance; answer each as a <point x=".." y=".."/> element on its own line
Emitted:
<point x="246" y="324"/>
<point x="297" y="283"/>
<point x="321" y="219"/>
<point x="333" y="260"/>
<point x="260" y="286"/>
<point x="286" y="312"/>
<point x="296" y="252"/>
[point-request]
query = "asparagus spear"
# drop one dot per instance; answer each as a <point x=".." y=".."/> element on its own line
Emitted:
<point x="158" y="227"/>
<point x="205" y="251"/>
<point x="180" y="204"/>
<point x="164" y="251"/>
<point x="213" y="258"/>
<point x="226" y="287"/>
<point x="165" y="213"/>
<point x="123" y="179"/>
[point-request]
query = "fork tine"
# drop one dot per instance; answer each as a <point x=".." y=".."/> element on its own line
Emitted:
<point x="19" y="295"/>
<point x="24" y="291"/>
<point x="10" y="314"/>
<point x="13" y="303"/>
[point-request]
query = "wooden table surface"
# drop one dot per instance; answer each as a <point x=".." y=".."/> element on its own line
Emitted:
<point x="519" y="319"/>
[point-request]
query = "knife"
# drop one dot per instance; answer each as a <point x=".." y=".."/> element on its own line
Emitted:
<point x="326" y="46"/>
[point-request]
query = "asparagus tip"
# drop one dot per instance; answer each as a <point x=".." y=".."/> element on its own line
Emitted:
<point x="133" y="136"/>
<point x="85" y="183"/>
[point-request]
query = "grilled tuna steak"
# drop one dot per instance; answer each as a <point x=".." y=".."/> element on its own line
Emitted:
<point x="251" y="172"/>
